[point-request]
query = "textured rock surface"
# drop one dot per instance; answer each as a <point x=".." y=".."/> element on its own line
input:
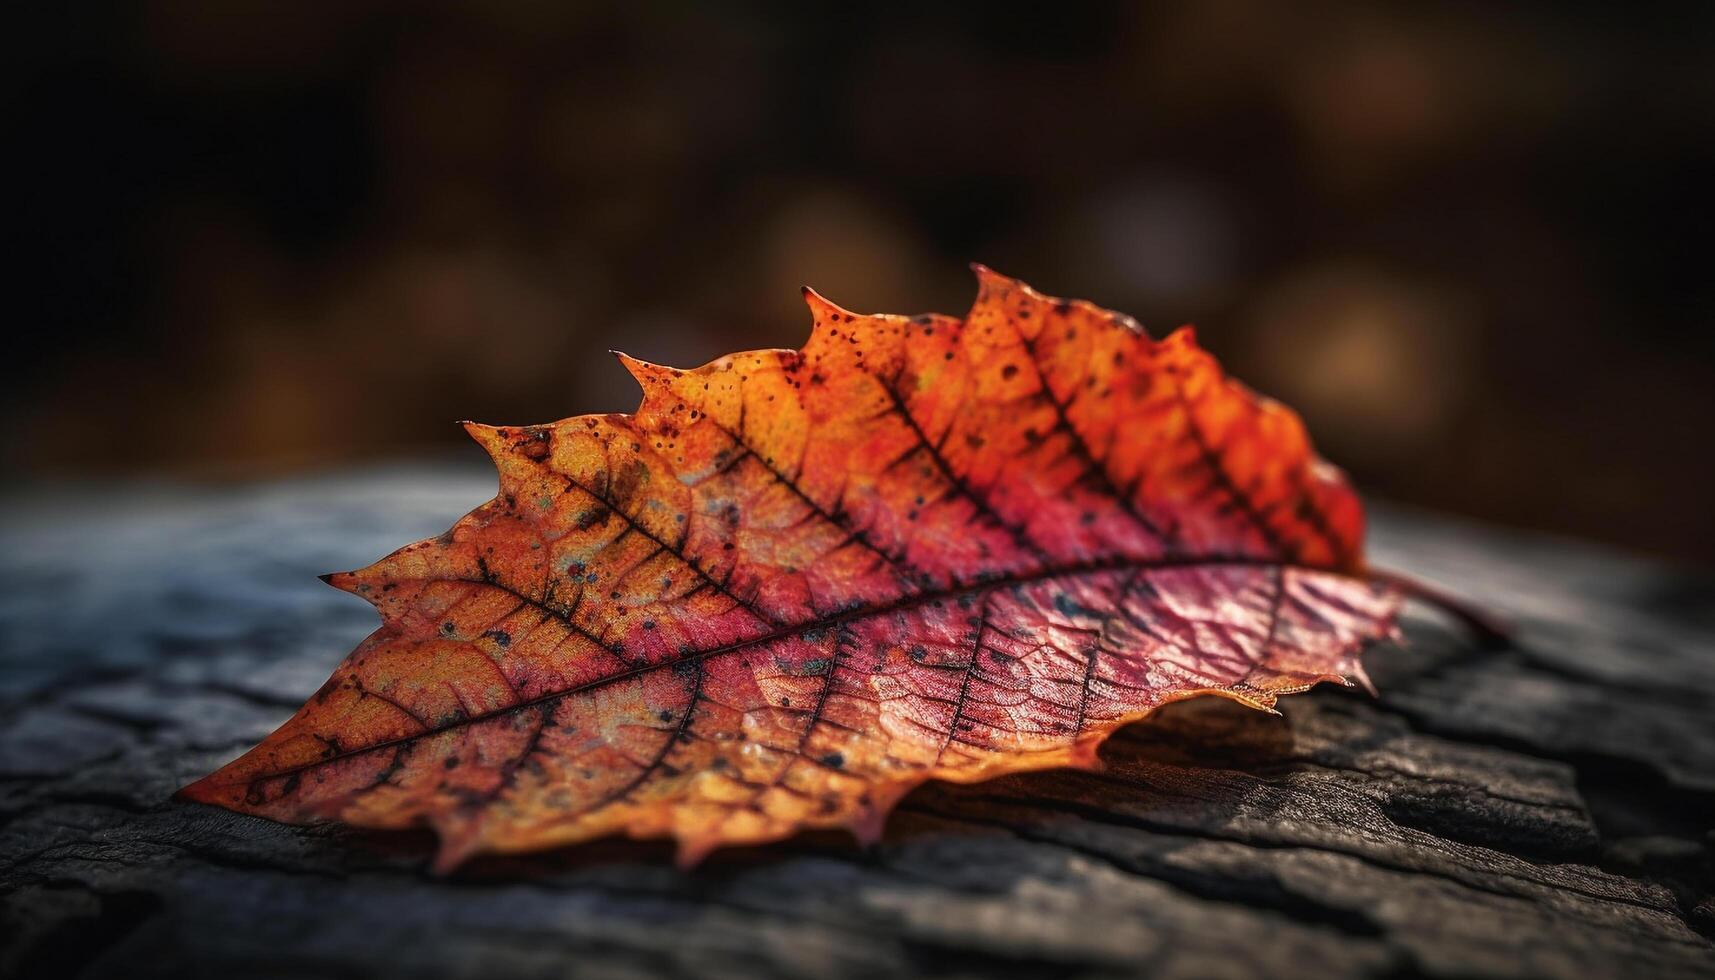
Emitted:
<point x="1540" y="811"/>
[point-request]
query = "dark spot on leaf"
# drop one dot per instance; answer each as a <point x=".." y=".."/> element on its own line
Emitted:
<point x="1073" y="609"/>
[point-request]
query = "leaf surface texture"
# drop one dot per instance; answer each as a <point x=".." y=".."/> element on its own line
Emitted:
<point x="796" y="584"/>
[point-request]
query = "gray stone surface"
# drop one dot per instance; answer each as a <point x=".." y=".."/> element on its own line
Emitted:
<point x="1544" y="810"/>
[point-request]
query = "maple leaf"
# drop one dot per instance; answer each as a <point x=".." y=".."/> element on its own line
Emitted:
<point x="796" y="584"/>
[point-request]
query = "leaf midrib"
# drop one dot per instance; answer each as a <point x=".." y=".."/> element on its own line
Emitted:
<point x="911" y="601"/>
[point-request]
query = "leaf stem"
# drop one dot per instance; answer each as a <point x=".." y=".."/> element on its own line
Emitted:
<point x="1488" y="629"/>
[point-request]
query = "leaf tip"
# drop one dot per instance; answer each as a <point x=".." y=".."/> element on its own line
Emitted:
<point x="1185" y="335"/>
<point x="647" y="373"/>
<point x="987" y="278"/>
<point x="202" y="790"/>
<point x="1361" y="677"/>
<point x="868" y="827"/>
<point x="822" y="309"/>
<point x="445" y="863"/>
<point x="692" y="851"/>
<point x="487" y="436"/>
<point x="870" y="822"/>
<point x="454" y="850"/>
<point x="342" y="581"/>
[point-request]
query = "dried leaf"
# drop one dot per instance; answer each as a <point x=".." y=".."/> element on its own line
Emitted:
<point x="796" y="584"/>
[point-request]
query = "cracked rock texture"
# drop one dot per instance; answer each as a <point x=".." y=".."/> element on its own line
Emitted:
<point x="1545" y="810"/>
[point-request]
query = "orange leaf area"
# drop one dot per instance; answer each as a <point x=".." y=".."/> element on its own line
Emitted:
<point x="796" y="584"/>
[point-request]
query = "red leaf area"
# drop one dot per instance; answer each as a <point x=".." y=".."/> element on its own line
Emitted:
<point x="797" y="583"/>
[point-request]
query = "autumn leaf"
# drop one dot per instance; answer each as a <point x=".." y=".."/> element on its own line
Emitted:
<point x="796" y="584"/>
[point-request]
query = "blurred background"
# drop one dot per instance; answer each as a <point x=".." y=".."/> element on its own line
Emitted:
<point x="255" y="237"/>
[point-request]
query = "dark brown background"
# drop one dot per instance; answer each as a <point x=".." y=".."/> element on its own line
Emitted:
<point x="1463" y="240"/>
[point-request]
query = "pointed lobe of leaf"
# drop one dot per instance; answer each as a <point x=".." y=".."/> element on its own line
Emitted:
<point x="796" y="584"/>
